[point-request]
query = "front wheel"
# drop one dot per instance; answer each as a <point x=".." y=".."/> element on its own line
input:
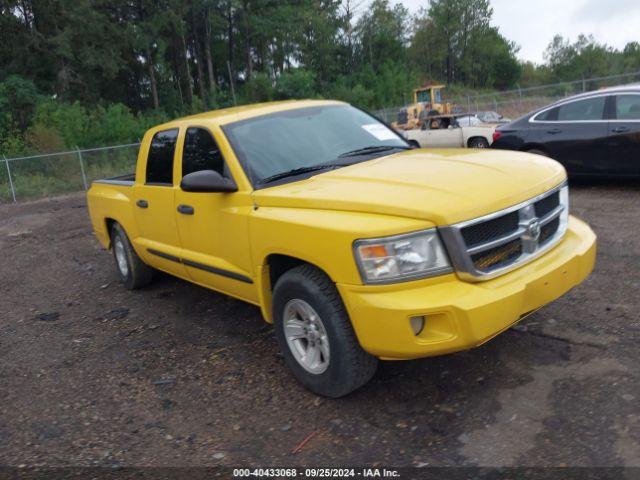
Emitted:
<point x="315" y="335"/>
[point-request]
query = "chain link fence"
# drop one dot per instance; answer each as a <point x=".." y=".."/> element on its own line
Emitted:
<point x="515" y="103"/>
<point x="38" y="176"/>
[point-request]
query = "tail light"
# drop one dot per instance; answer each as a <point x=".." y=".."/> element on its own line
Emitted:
<point x="496" y="135"/>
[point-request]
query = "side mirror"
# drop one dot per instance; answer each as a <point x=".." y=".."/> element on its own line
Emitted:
<point x="207" y="181"/>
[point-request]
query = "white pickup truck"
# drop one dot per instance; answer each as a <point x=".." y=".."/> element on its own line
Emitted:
<point x="454" y="136"/>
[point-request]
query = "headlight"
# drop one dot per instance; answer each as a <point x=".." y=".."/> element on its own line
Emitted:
<point x="401" y="257"/>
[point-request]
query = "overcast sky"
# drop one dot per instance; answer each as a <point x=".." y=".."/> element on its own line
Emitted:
<point x="533" y="23"/>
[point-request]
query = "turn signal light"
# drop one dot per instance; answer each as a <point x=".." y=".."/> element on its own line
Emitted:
<point x="373" y="251"/>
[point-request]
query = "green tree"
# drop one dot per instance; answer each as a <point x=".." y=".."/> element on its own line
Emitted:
<point x="18" y="100"/>
<point x="584" y="58"/>
<point x="295" y="83"/>
<point x="382" y="33"/>
<point x="631" y="57"/>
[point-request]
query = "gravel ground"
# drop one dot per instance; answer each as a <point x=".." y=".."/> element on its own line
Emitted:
<point x="94" y="375"/>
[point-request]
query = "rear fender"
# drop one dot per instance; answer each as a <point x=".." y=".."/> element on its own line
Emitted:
<point x="108" y="203"/>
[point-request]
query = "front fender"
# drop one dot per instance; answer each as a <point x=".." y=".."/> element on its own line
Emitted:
<point x="323" y="238"/>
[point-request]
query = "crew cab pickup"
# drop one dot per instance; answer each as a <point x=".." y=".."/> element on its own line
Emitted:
<point x="356" y="246"/>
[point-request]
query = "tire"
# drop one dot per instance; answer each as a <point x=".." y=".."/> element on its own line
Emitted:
<point x="478" y="142"/>
<point x="307" y="296"/>
<point x="134" y="273"/>
<point x="535" y="151"/>
<point x="414" y="143"/>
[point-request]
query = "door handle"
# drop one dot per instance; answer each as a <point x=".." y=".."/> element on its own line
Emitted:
<point x="620" y="129"/>
<point x="553" y="131"/>
<point x="186" y="209"/>
<point x="142" y="203"/>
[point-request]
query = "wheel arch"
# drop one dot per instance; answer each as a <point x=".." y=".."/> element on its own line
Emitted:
<point x="109" y="223"/>
<point x="273" y="266"/>
<point x="474" y="137"/>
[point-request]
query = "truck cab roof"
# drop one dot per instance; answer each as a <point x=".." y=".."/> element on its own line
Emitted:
<point x="234" y="114"/>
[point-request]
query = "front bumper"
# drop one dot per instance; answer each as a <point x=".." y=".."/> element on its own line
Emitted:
<point x="461" y="315"/>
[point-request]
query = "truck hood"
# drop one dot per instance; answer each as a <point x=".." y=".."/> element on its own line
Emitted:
<point x="440" y="186"/>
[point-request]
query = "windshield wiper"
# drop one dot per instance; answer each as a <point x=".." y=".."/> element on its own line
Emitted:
<point x="372" y="149"/>
<point x="298" y="171"/>
<point x="332" y="165"/>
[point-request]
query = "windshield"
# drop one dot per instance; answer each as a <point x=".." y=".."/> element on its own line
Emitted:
<point x="295" y="140"/>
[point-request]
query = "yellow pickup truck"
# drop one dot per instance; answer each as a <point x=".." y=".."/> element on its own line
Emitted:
<point x="356" y="246"/>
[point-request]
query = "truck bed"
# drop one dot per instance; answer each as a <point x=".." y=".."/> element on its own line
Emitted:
<point x="111" y="198"/>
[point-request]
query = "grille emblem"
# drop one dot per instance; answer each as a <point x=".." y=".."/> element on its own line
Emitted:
<point x="533" y="229"/>
<point x="531" y="226"/>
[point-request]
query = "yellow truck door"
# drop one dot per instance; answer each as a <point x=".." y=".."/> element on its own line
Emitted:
<point x="213" y="227"/>
<point x="158" y="242"/>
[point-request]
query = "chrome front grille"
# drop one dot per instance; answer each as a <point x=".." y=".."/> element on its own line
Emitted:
<point x="483" y="232"/>
<point x="494" y="244"/>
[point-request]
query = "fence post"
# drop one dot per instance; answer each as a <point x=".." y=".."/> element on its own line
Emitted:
<point x="13" y="191"/>
<point x="84" y="177"/>
<point x="520" y="95"/>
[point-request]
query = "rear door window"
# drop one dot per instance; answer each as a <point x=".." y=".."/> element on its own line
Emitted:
<point x="550" y="115"/>
<point x="628" y="107"/>
<point x="201" y="152"/>
<point x="581" y="110"/>
<point x="160" y="159"/>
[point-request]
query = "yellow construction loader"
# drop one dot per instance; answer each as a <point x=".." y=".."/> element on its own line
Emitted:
<point x="427" y="105"/>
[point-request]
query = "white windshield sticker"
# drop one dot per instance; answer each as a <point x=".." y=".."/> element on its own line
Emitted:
<point x="379" y="131"/>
